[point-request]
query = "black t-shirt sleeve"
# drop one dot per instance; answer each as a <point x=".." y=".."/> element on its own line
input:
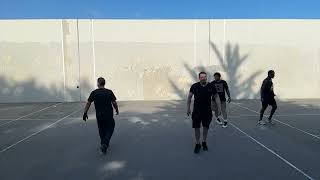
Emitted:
<point x="193" y="89"/>
<point x="113" y="97"/>
<point x="91" y="97"/>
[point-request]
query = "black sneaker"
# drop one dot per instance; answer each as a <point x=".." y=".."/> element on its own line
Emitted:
<point x="218" y="121"/>
<point x="197" y="148"/>
<point x="204" y="146"/>
<point x="225" y="124"/>
<point x="103" y="149"/>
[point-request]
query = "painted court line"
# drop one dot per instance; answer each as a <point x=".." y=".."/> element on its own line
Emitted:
<point x="281" y="115"/>
<point x="27" y="119"/>
<point x="6" y="109"/>
<point x="47" y="127"/>
<point x="29" y="114"/>
<point x="274" y="153"/>
<point x="305" y="132"/>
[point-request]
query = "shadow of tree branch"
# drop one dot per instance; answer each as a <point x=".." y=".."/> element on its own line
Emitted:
<point x="241" y="85"/>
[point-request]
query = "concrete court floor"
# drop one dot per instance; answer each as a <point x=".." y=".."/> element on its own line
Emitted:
<point x="154" y="140"/>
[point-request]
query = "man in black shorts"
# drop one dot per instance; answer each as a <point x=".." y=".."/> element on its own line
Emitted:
<point x="222" y="88"/>
<point x="202" y="113"/>
<point x="104" y="100"/>
<point x="267" y="97"/>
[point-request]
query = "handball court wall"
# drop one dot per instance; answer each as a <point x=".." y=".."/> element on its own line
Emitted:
<point x="60" y="60"/>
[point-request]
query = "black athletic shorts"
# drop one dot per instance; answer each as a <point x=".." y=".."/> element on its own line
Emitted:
<point x="201" y="118"/>
<point x="105" y="120"/>
<point x="268" y="101"/>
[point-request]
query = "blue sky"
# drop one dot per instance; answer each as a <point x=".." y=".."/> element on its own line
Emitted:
<point x="159" y="9"/>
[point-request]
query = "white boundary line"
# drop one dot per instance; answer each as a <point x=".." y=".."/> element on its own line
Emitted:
<point x="11" y="108"/>
<point x="38" y="119"/>
<point x="305" y="132"/>
<point x="28" y="137"/>
<point x="274" y="153"/>
<point x="282" y="115"/>
<point x="28" y="119"/>
<point x="29" y="114"/>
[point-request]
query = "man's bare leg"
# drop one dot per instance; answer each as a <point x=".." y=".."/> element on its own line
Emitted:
<point x="197" y="137"/>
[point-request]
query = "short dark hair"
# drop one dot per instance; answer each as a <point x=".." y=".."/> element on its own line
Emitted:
<point x="202" y="72"/>
<point x="270" y="72"/>
<point x="217" y="74"/>
<point x="101" y="81"/>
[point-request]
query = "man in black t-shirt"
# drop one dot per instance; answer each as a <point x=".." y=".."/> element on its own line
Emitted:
<point x="267" y="97"/>
<point x="202" y="112"/>
<point x="104" y="102"/>
<point x="222" y="88"/>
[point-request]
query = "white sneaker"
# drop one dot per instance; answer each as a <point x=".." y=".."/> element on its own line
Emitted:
<point x="260" y="122"/>
<point x="225" y="124"/>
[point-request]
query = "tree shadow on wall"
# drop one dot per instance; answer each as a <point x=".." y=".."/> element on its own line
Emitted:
<point x="32" y="91"/>
<point x="241" y="85"/>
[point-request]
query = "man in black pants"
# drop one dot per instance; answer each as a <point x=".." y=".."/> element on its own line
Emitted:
<point x="267" y="97"/>
<point x="202" y="113"/>
<point x="104" y="100"/>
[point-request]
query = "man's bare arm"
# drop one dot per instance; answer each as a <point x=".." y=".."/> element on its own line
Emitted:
<point x="228" y="93"/>
<point x="115" y="106"/>
<point x="189" y="103"/>
<point x="218" y="103"/>
<point x="229" y="96"/>
<point x="86" y="109"/>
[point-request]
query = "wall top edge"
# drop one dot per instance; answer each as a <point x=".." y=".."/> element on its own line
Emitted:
<point x="217" y="19"/>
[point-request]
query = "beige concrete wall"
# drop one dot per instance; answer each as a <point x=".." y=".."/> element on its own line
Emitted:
<point x="39" y="60"/>
<point x="30" y="61"/>
<point x="290" y="47"/>
<point x="86" y="49"/>
<point x="45" y="60"/>
<point x="145" y="60"/>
